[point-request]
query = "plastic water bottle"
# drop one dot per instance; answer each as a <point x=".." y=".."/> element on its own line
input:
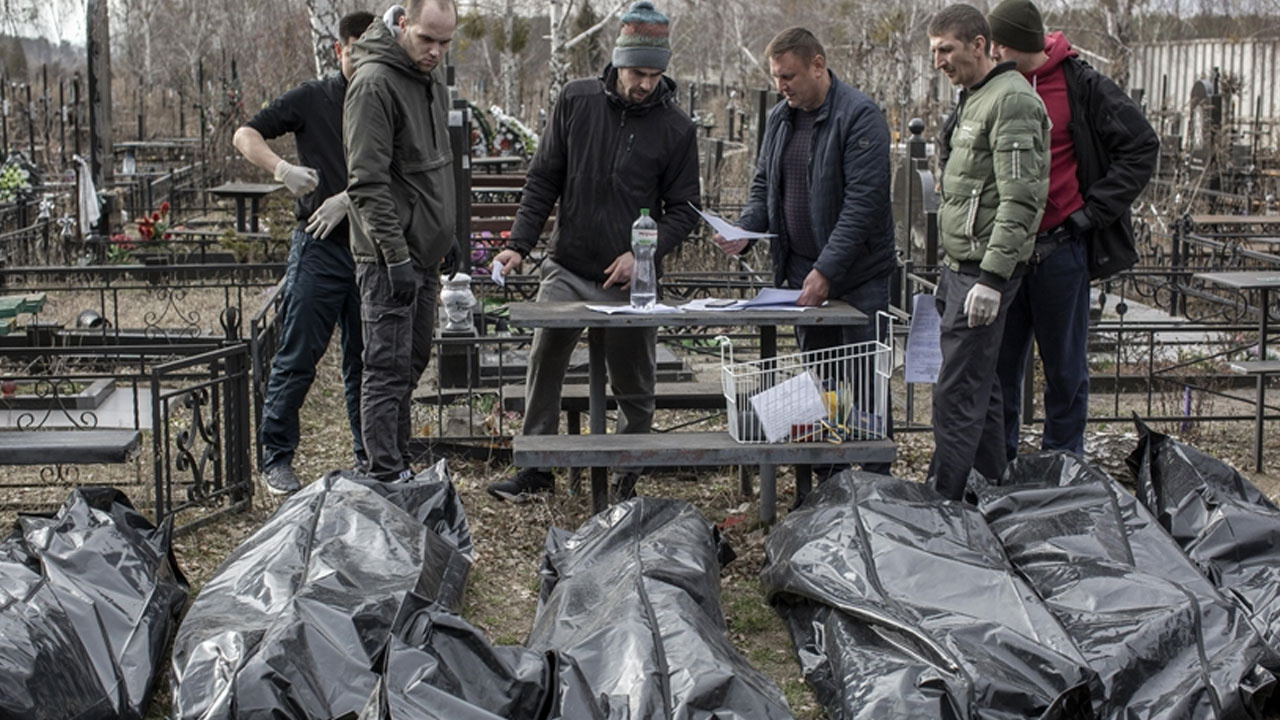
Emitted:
<point x="644" y="279"/>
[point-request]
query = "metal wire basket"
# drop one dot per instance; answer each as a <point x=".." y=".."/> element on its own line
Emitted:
<point x="833" y="395"/>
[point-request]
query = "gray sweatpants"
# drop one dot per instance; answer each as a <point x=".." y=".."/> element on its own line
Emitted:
<point x="397" y="348"/>
<point x="968" y="414"/>
<point x="630" y="356"/>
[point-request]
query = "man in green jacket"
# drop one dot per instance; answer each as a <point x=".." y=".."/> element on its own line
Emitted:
<point x="400" y="182"/>
<point x="994" y="187"/>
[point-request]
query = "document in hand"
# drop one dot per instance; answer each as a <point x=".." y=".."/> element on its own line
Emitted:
<point x="728" y="229"/>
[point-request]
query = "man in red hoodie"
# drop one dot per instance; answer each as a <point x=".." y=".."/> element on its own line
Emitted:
<point x="1102" y="153"/>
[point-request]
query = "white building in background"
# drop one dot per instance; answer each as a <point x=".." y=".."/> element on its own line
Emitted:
<point x="1167" y="73"/>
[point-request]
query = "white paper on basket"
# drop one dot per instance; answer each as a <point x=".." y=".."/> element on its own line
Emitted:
<point x="797" y="401"/>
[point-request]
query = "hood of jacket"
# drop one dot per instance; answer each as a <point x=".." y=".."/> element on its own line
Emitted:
<point x="377" y="45"/>
<point x="1058" y="48"/>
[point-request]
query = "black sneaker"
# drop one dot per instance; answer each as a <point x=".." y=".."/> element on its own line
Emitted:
<point x="281" y="480"/>
<point x="525" y="486"/>
<point x="623" y="485"/>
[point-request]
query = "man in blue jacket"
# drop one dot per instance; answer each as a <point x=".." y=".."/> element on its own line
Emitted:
<point x="822" y="188"/>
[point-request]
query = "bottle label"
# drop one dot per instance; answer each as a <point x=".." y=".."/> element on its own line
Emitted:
<point x="644" y="237"/>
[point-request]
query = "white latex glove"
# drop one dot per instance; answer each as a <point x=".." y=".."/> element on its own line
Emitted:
<point x="328" y="216"/>
<point x="298" y="179"/>
<point x="982" y="304"/>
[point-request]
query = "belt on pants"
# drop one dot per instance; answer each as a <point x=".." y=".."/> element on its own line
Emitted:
<point x="1047" y="242"/>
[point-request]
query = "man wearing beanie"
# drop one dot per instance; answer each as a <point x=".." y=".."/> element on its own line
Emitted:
<point x="993" y="192"/>
<point x="614" y="145"/>
<point x="822" y="187"/>
<point x="1102" y="153"/>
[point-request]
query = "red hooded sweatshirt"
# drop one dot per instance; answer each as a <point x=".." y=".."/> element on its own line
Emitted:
<point x="1050" y="82"/>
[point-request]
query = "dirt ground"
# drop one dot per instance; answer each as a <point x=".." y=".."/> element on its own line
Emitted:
<point x="502" y="593"/>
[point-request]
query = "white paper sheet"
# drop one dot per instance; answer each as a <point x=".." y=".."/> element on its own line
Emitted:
<point x="727" y="229"/>
<point x="657" y="309"/>
<point x="797" y="401"/>
<point x="714" y="304"/>
<point x="768" y="297"/>
<point x="497" y="275"/>
<point x="924" y="344"/>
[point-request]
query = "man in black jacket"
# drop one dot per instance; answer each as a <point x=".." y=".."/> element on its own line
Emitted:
<point x="613" y="146"/>
<point x="320" y="283"/>
<point x="822" y="187"/>
<point x="1102" y="153"/>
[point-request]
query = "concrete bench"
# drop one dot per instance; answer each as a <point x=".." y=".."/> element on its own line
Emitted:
<point x="1260" y="369"/>
<point x="1256" y="367"/>
<point x="68" y="447"/>
<point x="683" y="449"/>
<point x="11" y="306"/>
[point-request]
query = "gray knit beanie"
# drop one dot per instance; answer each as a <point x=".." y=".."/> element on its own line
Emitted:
<point x="1017" y="24"/>
<point x="644" y="41"/>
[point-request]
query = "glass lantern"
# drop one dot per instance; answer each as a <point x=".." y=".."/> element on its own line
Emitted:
<point x="458" y="302"/>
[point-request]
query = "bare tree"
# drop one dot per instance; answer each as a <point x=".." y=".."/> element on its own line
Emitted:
<point x="324" y="16"/>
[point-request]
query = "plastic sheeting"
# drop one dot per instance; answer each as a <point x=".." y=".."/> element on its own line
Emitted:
<point x="1221" y="521"/>
<point x="901" y="604"/>
<point x="290" y="624"/>
<point x="1163" y="641"/>
<point x="88" y="601"/>
<point x="629" y="625"/>
<point x="439" y="667"/>
<point x="634" y="597"/>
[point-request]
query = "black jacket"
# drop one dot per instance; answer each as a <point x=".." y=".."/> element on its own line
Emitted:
<point x="604" y="159"/>
<point x="1116" y="151"/>
<point x="313" y="113"/>
<point x="849" y="204"/>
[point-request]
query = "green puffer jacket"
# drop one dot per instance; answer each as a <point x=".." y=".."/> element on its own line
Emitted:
<point x="996" y="179"/>
<point x="399" y="163"/>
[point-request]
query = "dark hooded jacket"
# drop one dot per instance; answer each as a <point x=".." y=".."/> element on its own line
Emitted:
<point x="1116" y="152"/>
<point x="849" y="206"/>
<point x="399" y="162"/>
<point x="604" y="158"/>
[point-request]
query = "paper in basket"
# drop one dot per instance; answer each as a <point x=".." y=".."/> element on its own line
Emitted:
<point x="798" y="401"/>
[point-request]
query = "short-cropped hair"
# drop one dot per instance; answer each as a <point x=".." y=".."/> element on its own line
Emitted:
<point x="963" y="21"/>
<point x="353" y="25"/>
<point x="795" y="40"/>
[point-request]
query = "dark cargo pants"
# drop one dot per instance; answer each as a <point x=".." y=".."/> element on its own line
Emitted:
<point x="397" y="348"/>
<point x="968" y="414"/>
<point x="320" y="290"/>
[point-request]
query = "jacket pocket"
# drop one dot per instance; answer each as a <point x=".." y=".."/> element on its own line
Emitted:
<point x="1017" y="153"/>
<point x="962" y="201"/>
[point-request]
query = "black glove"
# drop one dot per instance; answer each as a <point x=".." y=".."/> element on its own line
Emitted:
<point x="404" y="282"/>
<point x="1079" y="223"/>
<point x="452" y="260"/>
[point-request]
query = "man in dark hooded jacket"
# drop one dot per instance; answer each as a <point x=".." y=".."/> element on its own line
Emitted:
<point x="1102" y="153"/>
<point x="613" y="145"/>
<point x="399" y="166"/>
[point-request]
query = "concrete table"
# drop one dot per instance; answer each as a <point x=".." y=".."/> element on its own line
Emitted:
<point x="242" y="191"/>
<point x="576" y="315"/>
<point x="1263" y="281"/>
